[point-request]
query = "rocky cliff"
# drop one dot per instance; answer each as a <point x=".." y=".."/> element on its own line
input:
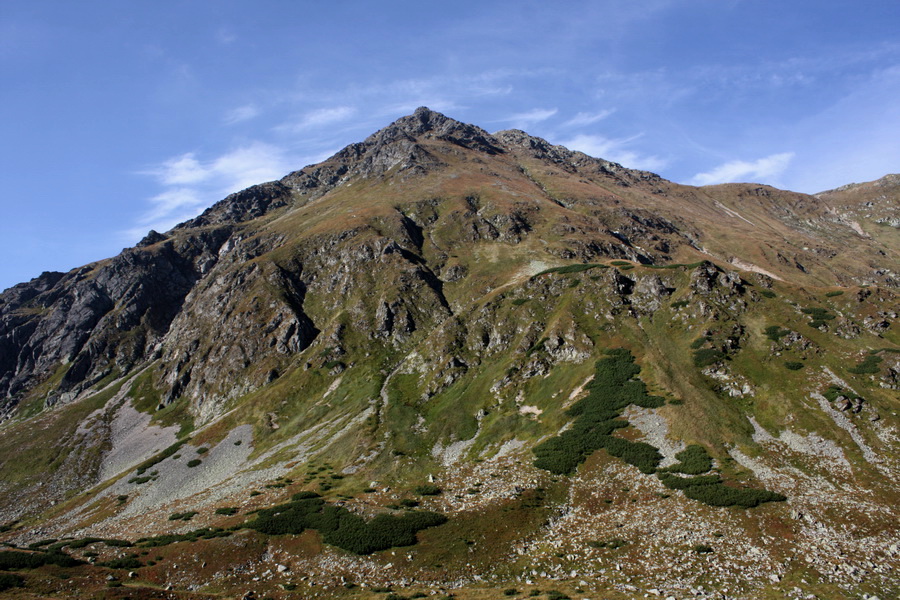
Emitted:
<point x="440" y="306"/>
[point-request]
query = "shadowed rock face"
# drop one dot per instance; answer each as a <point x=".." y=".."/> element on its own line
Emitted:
<point x="223" y="300"/>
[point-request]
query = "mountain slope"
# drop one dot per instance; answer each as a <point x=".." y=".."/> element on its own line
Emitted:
<point x="428" y="307"/>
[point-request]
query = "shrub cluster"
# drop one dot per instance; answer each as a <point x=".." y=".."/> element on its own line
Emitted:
<point x="775" y="333"/>
<point x="11" y="560"/>
<point x="710" y="490"/>
<point x="152" y="462"/>
<point x="869" y="365"/>
<point x="767" y="293"/>
<point x="596" y="417"/>
<point x="819" y="316"/>
<point x="185" y="516"/>
<point x="428" y="489"/>
<point x="10" y="580"/>
<point x="705" y="357"/>
<point x="576" y="268"/>
<point x="693" y="460"/>
<point x="127" y="562"/>
<point x="339" y="527"/>
<point x="191" y="536"/>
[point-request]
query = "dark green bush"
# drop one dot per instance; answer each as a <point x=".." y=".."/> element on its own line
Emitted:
<point x="140" y="480"/>
<point x="428" y="489"/>
<point x="767" y="293"/>
<point x="194" y="462"/>
<point x="339" y="527"/>
<point x="185" y="516"/>
<point x="819" y="316"/>
<point x="693" y="460"/>
<point x="673" y="482"/>
<point x="128" y="562"/>
<point x="612" y="389"/>
<point x="702" y="549"/>
<point x="834" y="294"/>
<point x="868" y="366"/>
<point x="12" y="560"/>
<point x="10" y="580"/>
<point x="722" y="495"/>
<point x="519" y="301"/>
<point x="191" y="536"/>
<point x="794" y="365"/>
<point x="226" y="510"/>
<point x="775" y="333"/>
<point x="202" y="450"/>
<point x="510" y="592"/>
<point x="699" y="343"/>
<point x="576" y="268"/>
<point x="613" y="544"/>
<point x="705" y="357"/>
<point x="152" y="462"/>
<point x="620" y="263"/>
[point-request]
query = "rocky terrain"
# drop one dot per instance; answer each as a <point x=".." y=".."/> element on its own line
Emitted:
<point x="608" y="385"/>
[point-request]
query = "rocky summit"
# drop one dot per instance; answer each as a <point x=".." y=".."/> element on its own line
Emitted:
<point x="449" y="363"/>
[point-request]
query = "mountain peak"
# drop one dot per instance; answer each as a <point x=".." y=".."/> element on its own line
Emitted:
<point x="425" y="123"/>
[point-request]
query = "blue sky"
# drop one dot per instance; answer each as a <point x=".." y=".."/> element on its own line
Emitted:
<point x="119" y="117"/>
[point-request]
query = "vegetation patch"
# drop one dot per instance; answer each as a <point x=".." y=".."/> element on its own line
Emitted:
<point x="693" y="460"/>
<point x="794" y="365"/>
<point x="10" y="580"/>
<point x="152" y="462"/>
<point x="775" y="333"/>
<point x="613" y="388"/>
<point x="834" y="294"/>
<point x="679" y="304"/>
<point x="868" y="366"/>
<point x="820" y="316"/>
<point x="519" y="301"/>
<point x="339" y="527"/>
<point x="191" y="536"/>
<point x="185" y="516"/>
<point x="835" y="391"/>
<point x="767" y="293"/>
<point x="428" y="489"/>
<point x="12" y="560"/>
<point x="126" y="562"/>
<point x="705" y="357"/>
<point x="576" y="268"/>
<point x="226" y="510"/>
<point x="613" y="544"/>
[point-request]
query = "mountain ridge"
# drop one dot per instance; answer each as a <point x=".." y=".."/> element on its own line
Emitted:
<point x="434" y="306"/>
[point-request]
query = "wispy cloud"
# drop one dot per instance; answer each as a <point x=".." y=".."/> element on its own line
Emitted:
<point x="763" y="170"/>
<point x="523" y="120"/>
<point x="191" y="184"/>
<point x="615" y="150"/>
<point x="582" y="119"/>
<point x="241" y="114"/>
<point x="318" y="118"/>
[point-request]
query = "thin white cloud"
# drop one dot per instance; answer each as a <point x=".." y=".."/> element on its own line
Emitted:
<point x="615" y="151"/>
<point x="319" y="118"/>
<point x="524" y="119"/>
<point x="191" y="184"/>
<point x="241" y="114"/>
<point x="582" y="119"/>
<point x="763" y="170"/>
